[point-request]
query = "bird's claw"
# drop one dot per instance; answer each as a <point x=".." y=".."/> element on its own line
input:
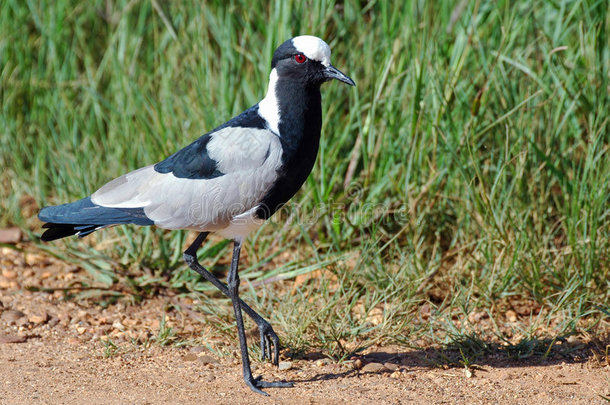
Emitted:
<point x="269" y="341"/>
<point x="256" y="384"/>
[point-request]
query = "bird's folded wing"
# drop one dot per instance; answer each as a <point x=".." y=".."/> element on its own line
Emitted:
<point x="221" y="175"/>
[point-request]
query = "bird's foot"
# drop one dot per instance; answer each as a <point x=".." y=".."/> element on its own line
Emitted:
<point x="270" y="343"/>
<point x="256" y="384"/>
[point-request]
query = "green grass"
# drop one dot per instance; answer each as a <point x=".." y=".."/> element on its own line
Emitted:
<point x="468" y="171"/>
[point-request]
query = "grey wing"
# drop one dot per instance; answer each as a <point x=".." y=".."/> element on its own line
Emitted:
<point x="246" y="162"/>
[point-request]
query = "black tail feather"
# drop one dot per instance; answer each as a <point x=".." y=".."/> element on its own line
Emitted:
<point x="83" y="217"/>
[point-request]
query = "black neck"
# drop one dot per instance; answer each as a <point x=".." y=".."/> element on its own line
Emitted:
<point x="301" y="118"/>
<point x="300" y="125"/>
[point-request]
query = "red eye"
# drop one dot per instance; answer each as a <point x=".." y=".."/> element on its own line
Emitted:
<point x="300" y="58"/>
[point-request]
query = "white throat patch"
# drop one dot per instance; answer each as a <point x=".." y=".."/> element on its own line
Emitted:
<point x="313" y="47"/>
<point x="268" y="108"/>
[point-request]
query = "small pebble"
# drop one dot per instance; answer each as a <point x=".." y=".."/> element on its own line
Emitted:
<point x="373" y="368"/>
<point x="322" y="362"/>
<point x="11" y="316"/>
<point x="10" y="235"/>
<point x="190" y="357"/>
<point x="64" y="317"/>
<point x="39" y="318"/>
<point x="11" y="339"/>
<point x="284" y="365"/>
<point x="118" y="325"/>
<point x="205" y="359"/>
<point x="10" y="274"/>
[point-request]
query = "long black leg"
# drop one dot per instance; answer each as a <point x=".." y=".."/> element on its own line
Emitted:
<point x="255" y="384"/>
<point x="268" y="337"/>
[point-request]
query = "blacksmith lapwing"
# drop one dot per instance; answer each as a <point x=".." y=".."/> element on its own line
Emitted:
<point x="229" y="181"/>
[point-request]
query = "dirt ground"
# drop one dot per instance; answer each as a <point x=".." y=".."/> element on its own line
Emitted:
<point x="54" y="350"/>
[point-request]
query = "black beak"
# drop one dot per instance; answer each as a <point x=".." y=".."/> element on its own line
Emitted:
<point x="331" y="72"/>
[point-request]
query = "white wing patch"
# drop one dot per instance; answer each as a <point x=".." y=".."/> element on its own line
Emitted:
<point x="129" y="190"/>
<point x="249" y="158"/>
<point x="313" y="47"/>
<point x="238" y="149"/>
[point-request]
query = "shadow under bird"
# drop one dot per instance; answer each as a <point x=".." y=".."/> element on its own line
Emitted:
<point x="229" y="181"/>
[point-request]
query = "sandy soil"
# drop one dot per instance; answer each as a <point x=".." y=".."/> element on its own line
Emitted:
<point x="52" y="350"/>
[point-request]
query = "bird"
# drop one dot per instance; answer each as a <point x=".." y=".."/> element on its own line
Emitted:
<point x="229" y="181"/>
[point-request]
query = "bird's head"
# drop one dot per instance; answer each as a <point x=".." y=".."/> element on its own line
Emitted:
<point x="306" y="59"/>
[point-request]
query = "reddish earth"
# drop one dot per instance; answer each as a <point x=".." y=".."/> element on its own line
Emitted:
<point x="54" y="350"/>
